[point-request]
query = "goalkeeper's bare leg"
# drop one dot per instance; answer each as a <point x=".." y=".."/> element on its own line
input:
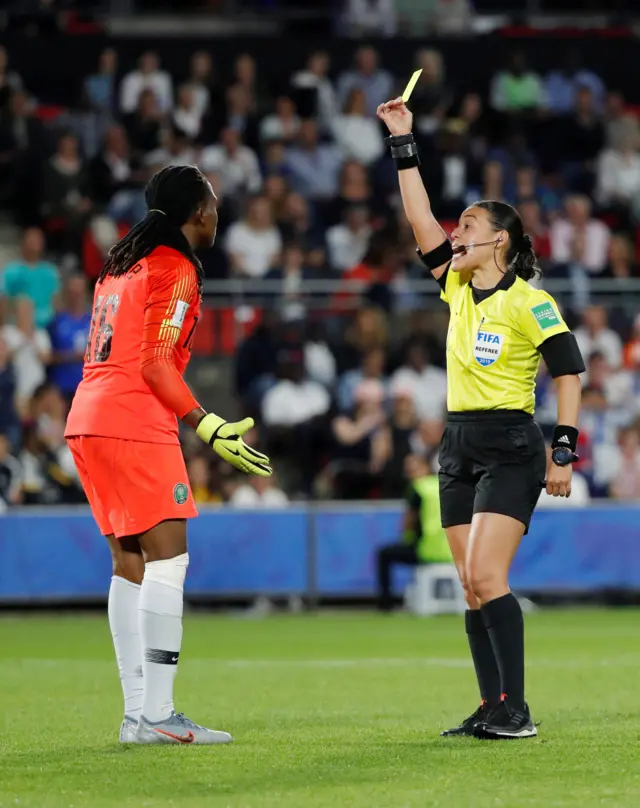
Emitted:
<point x="160" y="611"/>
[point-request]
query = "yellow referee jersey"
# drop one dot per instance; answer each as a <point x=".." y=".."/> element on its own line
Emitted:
<point x="492" y="356"/>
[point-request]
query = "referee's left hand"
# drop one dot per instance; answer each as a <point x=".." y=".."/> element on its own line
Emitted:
<point x="558" y="480"/>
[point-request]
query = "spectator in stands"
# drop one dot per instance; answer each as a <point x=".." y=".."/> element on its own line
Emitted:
<point x="625" y="479"/>
<point x="283" y="124"/>
<point x="274" y="159"/>
<point x="618" y="121"/>
<point x="354" y="188"/>
<point x="289" y="279"/>
<point x="33" y="277"/>
<point x="66" y="201"/>
<point x="432" y="97"/>
<point x="144" y="125"/>
<point x="358" y="136"/>
<point x="622" y="267"/>
<point x="534" y="224"/>
<point x="100" y="87"/>
<point x="347" y="243"/>
<point x="450" y="170"/>
<point x="594" y="335"/>
<point x="9" y="420"/>
<point x="363" y="18"/>
<point x="177" y="149"/>
<point x="298" y="225"/>
<point x="402" y="438"/>
<point x="10" y="81"/>
<point x="367" y="330"/>
<point x="368" y="76"/>
<point x="276" y="191"/>
<point x="236" y="164"/>
<point x="258" y="492"/>
<point x="632" y="348"/>
<point x="256" y="361"/>
<point x="426" y="383"/>
<point x="581" y="138"/>
<point x="472" y="113"/>
<point x="372" y="366"/>
<point x="579" y="236"/>
<point x="148" y="76"/>
<point x="69" y="333"/>
<point x="319" y="361"/>
<point x="616" y="384"/>
<point x="618" y="176"/>
<point x="516" y="88"/>
<point x="203" y="83"/>
<point x="187" y="115"/>
<point x="10" y="475"/>
<point x="23" y="144"/>
<point x="30" y="351"/>
<point x="527" y="185"/>
<point x="254" y="244"/>
<point x="361" y="444"/>
<point x="199" y="471"/>
<point x="315" y="79"/>
<point x="112" y="170"/>
<point x="313" y="166"/>
<point x="294" y="400"/>
<point x="246" y="76"/>
<point x="562" y="85"/>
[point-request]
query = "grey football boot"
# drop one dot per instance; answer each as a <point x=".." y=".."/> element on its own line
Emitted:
<point x="128" y="730"/>
<point x="178" y="729"/>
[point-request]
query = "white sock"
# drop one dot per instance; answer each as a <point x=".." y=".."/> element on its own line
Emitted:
<point x="161" y="600"/>
<point x="124" y="598"/>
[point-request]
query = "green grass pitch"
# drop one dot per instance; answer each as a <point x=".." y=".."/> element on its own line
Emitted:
<point x="327" y="710"/>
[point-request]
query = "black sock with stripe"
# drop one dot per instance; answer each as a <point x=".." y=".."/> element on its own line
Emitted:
<point x="484" y="659"/>
<point x="505" y="626"/>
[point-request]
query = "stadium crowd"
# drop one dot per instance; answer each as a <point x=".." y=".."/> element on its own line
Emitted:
<point x="307" y="192"/>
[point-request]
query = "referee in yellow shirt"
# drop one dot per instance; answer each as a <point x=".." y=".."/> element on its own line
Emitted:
<point x="492" y="456"/>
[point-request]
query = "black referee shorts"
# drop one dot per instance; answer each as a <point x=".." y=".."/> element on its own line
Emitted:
<point x="490" y="462"/>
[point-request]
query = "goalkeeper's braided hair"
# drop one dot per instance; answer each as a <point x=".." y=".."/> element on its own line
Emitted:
<point x="172" y="195"/>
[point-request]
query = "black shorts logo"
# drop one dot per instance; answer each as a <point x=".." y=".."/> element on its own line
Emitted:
<point x="181" y="493"/>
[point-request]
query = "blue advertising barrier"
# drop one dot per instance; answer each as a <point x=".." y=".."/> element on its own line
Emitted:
<point x="54" y="555"/>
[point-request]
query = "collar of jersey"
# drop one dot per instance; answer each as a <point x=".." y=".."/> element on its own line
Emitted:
<point x="482" y="294"/>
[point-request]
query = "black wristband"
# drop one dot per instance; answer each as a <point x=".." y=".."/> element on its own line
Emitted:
<point x="437" y="257"/>
<point x="400" y="140"/>
<point x="565" y="437"/>
<point x="404" y="151"/>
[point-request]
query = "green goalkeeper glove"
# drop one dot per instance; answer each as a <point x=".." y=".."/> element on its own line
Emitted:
<point x="226" y="440"/>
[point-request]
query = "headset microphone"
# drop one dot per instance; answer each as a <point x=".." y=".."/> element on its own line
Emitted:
<point x="462" y="248"/>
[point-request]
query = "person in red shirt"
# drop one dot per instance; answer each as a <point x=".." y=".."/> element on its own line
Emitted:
<point x="123" y="433"/>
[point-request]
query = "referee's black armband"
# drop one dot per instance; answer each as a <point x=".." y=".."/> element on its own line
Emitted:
<point x="436" y="258"/>
<point x="562" y="355"/>
<point x="404" y="151"/>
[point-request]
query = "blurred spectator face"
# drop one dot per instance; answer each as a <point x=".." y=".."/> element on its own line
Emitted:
<point x="598" y="370"/>
<point x="275" y="188"/>
<point x="415" y="467"/>
<point x="356" y="103"/>
<point x="259" y="213"/>
<point x="285" y="107"/>
<point x="357" y="218"/>
<point x="620" y="250"/>
<point x="20" y="104"/>
<point x="578" y="210"/>
<point x="309" y="135"/>
<point x="275" y="153"/>
<point x="370" y="326"/>
<point x="148" y="104"/>
<point x="230" y="139"/>
<point x="292" y="258"/>
<point x="245" y="70"/>
<point x="238" y="100"/>
<point x="525" y="182"/>
<point x="32" y="245"/>
<point x="76" y="293"/>
<point x="319" y="64"/>
<point x="614" y="105"/>
<point x="297" y="207"/>
<point x="24" y="314"/>
<point x="531" y="215"/>
<point x="354" y="174"/>
<point x="368" y="396"/>
<point x="201" y="65"/>
<point x="116" y="141"/>
<point x="493" y="180"/>
<point x="108" y="62"/>
<point x="149" y="63"/>
<point x="584" y="101"/>
<point x="185" y="97"/>
<point x="68" y="148"/>
<point x="629" y="442"/>
<point x="199" y="473"/>
<point x="373" y="363"/>
<point x="431" y="63"/>
<point x="417" y="357"/>
<point x="594" y="318"/>
<point x="471" y="108"/>
<point x="593" y="400"/>
<point x="367" y="61"/>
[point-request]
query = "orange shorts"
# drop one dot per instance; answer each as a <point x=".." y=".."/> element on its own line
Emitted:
<point x="132" y="486"/>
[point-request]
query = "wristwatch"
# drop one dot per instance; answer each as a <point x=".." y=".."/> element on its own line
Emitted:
<point x="562" y="456"/>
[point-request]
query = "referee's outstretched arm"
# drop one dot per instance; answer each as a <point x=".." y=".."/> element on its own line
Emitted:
<point x="415" y="199"/>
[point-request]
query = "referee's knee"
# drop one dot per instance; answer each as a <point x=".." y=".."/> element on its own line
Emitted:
<point x="484" y="583"/>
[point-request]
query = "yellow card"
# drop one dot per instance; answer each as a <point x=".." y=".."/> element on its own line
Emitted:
<point x="406" y="95"/>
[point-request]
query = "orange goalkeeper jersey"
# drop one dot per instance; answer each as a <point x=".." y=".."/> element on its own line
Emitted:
<point x="139" y="346"/>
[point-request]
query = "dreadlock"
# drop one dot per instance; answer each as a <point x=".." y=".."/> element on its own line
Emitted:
<point x="173" y="195"/>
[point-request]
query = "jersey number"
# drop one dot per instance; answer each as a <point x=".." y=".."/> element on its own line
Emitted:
<point x="101" y="333"/>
